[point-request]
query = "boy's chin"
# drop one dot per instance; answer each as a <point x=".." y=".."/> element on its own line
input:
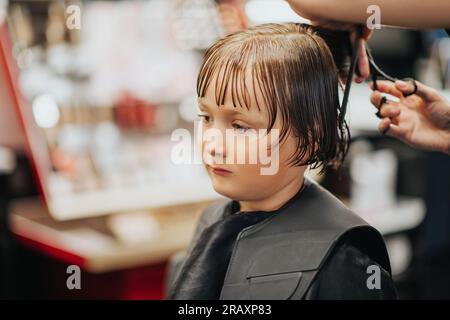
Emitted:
<point x="227" y="190"/>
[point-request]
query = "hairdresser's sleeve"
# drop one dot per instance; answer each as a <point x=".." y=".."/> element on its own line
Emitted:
<point x="345" y="275"/>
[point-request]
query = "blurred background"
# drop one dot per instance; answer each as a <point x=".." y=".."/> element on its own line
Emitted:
<point x="90" y="94"/>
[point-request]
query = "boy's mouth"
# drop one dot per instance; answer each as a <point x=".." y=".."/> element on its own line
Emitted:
<point x="218" y="170"/>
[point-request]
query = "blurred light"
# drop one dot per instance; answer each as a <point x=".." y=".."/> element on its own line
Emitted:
<point x="3" y="9"/>
<point x="263" y="11"/>
<point x="188" y="108"/>
<point x="195" y="24"/>
<point x="106" y="136"/>
<point x="24" y="58"/>
<point x="45" y="111"/>
<point x="7" y="160"/>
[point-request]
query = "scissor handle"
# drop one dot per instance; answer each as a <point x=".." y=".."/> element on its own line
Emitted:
<point x="414" y="84"/>
<point x="376" y="72"/>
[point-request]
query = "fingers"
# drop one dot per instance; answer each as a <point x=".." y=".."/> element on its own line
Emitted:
<point x="375" y="99"/>
<point x="363" y="63"/>
<point x="367" y="33"/>
<point x="386" y="127"/>
<point x="363" y="60"/>
<point x="385" y="107"/>
<point x="388" y="87"/>
<point x="388" y="112"/>
<point x="423" y="91"/>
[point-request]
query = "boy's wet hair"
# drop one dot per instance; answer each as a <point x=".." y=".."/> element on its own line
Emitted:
<point x="296" y="69"/>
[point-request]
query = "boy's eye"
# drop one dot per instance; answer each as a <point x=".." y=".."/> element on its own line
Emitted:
<point x="240" y="128"/>
<point x="204" y="117"/>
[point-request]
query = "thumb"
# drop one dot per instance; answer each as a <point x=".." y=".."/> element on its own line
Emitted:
<point x="367" y="33"/>
<point x="426" y="93"/>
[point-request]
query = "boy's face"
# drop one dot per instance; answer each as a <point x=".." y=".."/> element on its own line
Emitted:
<point x="229" y="132"/>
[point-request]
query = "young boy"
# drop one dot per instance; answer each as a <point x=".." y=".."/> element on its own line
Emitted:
<point x="280" y="236"/>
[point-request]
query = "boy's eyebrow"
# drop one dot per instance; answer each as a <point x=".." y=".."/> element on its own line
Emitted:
<point x="231" y="112"/>
<point x="202" y="105"/>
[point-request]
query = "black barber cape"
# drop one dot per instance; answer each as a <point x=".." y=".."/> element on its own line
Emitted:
<point x="343" y="276"/>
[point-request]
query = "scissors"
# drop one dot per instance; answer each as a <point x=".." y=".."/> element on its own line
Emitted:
<point x="375" y="73"/>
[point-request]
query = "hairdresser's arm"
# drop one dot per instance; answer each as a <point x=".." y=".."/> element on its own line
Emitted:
<point x="403" y="13"/>
<point x="421" y="120"/>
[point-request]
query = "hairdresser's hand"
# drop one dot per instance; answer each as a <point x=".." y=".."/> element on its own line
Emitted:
<point x="363" y="61"/>
<point x="421" y="120"/>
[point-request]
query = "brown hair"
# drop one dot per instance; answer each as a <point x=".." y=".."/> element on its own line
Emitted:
<point x="298" y="76"/>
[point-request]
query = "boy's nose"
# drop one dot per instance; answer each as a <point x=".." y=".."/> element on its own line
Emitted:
<point x="214" y="145"/>
<point x="216" y="148"/>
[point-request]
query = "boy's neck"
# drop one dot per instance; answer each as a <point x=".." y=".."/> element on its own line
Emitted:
<point x="276" y="200"/>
